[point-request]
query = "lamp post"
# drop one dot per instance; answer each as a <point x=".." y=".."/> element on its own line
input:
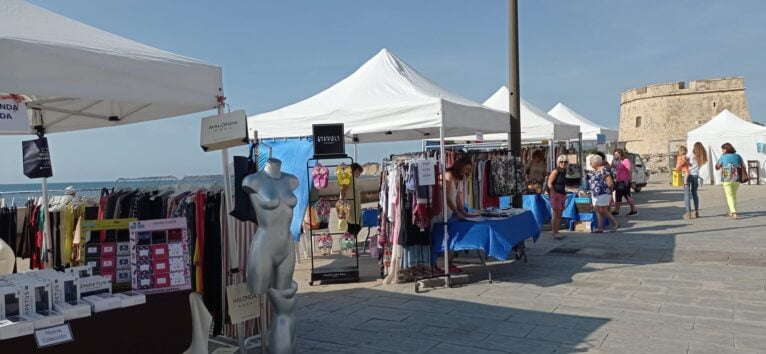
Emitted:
<point x="514" y="136"/>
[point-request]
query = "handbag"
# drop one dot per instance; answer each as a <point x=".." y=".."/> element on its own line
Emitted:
<point x="243" y="167"/>
<point x="744" y="177"/>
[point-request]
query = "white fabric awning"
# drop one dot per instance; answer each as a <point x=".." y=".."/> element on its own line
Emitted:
<point x="727" y="127"/>
<point x="80" y="76"/>
<point x="588" y="128"/>
<point x="384" y="100"/>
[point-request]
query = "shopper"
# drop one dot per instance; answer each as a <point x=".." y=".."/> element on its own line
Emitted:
<point x="694" y="159"/>
<point x="732" y="169"/>
<point x="536" y="169"/>
<point x="558" y="193"/>
<point x="624" y="176"/>
<point x="454" y="177"/>
<point x="601" y="184"/>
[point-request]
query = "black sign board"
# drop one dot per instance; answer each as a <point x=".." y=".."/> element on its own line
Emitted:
<point x="37" y="158"/>
<point x="329" y="140"/>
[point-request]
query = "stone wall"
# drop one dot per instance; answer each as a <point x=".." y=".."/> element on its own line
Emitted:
<point x="656" y="116"/>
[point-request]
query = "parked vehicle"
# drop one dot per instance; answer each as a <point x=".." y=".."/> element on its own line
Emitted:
<point x="640" y="174"/>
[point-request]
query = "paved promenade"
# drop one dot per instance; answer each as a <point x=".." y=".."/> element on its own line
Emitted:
<point x="660" y="285"/>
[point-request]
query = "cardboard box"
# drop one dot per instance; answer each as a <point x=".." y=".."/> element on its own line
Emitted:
<point x="73" y="309"/>
<point x="108" y="249"/>
<point x="160" y="251"/>
<point x="107" y="264"/>
<point x="11" y="301"/>
<point x="582" y="226"/>
<point x="96" y="284"/>
<point x="162" y="280"/>
<point x="160" y="266"/>
<point x="45" y="319"/>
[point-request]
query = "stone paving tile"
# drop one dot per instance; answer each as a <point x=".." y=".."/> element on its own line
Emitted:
<point x="447" y="348"/>
<point x="735" y="327"/>
<point x="603" y="294"/>
<point x="567" y="336"/>
<point x="707" y="348"/>
<point x="628" y="305"/>
<point x="450" y="335"/>
<point x="750" y="342"/>
<point x="697" y="311"/>
<point x="663" y="298"/>
<point x="517" y="345"/>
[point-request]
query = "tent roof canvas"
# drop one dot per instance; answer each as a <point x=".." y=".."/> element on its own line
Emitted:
<point x="383" y="100"/>
<point x="536" y="125"/>
<point x="80" y="75"/>
<point x="588" y="128"/>
<point x="727" y="125"/>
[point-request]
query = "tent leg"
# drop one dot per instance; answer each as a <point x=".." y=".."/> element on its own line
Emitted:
<point x="46" y="216"/>
<point x="443" y="167"/>
<point x="229" y="201"/>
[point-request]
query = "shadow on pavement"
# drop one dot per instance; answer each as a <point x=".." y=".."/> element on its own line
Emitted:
<point x="373" y="320"/>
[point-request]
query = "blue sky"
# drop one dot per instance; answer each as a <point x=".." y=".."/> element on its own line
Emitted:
<point x="276" y="52"/>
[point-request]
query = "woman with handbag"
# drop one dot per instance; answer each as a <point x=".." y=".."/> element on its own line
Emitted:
<point x="733" y="172"/>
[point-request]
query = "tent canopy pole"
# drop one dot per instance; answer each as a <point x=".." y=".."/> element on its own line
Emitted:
<point x="443" y="167"/>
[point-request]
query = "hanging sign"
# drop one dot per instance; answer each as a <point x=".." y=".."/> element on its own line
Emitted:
<point x="329" y="140"/>
<point x="600" y="139"/>
<point x="51" y="336"/>
<point x="242" y="304"/>
<point x="224" y="131"/>
<point x="426" y="172"/>
<point x="13" y="115"/>
<point x="37" y="158"/>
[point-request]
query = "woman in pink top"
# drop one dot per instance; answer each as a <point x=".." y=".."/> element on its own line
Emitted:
<point x="623" y="170"/>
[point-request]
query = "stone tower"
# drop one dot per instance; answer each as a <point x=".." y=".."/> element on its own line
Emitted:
<point x="654" y="116"/>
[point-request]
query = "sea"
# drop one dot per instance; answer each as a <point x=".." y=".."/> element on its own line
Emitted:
<point x="35" y="189"/>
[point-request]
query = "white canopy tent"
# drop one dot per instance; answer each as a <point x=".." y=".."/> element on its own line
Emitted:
<point x="727" y="127"/>
<point x="588" y="128"/>
<point x="74" y="77"/>
<point x="80" y="76"/>
<point x="385" y="100"/>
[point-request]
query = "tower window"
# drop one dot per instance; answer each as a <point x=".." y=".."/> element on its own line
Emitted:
<point x="638" y="122"/>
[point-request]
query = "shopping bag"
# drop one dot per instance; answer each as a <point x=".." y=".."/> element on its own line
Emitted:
<point x="37" y="158"/>
<point x="243" y="167"/>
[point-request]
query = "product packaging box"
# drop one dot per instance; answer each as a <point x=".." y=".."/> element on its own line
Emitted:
<point x="103" y="302"/>
<point x="96" y="284"/>
<point x="131" y="298"/>
<point x="160" y="266"/>
<point x="160" y="251"/>
<point x="108" y="249"/>
<point x="15" y="326"/>
<point x="161" y="280"/>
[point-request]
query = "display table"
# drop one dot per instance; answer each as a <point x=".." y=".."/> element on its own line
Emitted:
<point x="540" y="206"/>
<point x="162" y="325"/>
<point x="495" y="238"/>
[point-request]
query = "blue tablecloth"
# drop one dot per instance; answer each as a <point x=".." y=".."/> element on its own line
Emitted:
<point x="496" y="238"/>
<point x="540" y="206"/>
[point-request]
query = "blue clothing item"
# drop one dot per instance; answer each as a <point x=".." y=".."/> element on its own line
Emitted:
<point x="730" y="167"/>
<point x="293" y="153"/>
<point x="690" y="193"/>
<point x="598" y="185"/>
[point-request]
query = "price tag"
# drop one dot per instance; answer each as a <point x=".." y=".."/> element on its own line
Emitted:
<point x="51" y="336"/>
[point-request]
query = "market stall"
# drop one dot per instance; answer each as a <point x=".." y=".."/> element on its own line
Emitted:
<point x="748" y="138"/>
<point x="384" y="100"/>
<point x="87" y="79"/>
<point x="590" y="130"/>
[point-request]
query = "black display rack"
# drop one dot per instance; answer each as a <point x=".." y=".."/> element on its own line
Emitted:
<point x="332" y="273"/>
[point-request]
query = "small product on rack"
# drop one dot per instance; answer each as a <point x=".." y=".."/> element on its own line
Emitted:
<point x="159" y="255"/>
<point x="107" y="250"/>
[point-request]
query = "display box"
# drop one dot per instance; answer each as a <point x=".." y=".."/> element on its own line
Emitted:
<point x="108" y="264"/>
<point x="144" y="281"/>
<point x="93" y="264"/>
<point x="95" y="284"/>
<point x="177" y="278"/>
<point x="45" y="319"/>
<point x="143" y="267"/>
<point x="15" y="326"/>
<point x="177" y="264"/>
<point x="175" y="249"/>
<point x="92" y="250"/>
<point x="11" y="301"/>
<point x="161" y="280"/>
<point x="123" y="262"/>
<point x="160" y="266"/>
<point x="103" y="302"/>
<point x="160" y="251"/>
<point x="80" y="272"/>
<point x="109" y="274"/>
<point x="131" y="298"/>
<point x="143" y="251"/>
<point x="73" y="309"/>
<point x="108" y="249"/>
<point x="123" y="248"/>
<point x="122" y="276"/>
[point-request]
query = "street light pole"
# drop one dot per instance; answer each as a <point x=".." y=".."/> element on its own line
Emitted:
<point x="514" y="136"/>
